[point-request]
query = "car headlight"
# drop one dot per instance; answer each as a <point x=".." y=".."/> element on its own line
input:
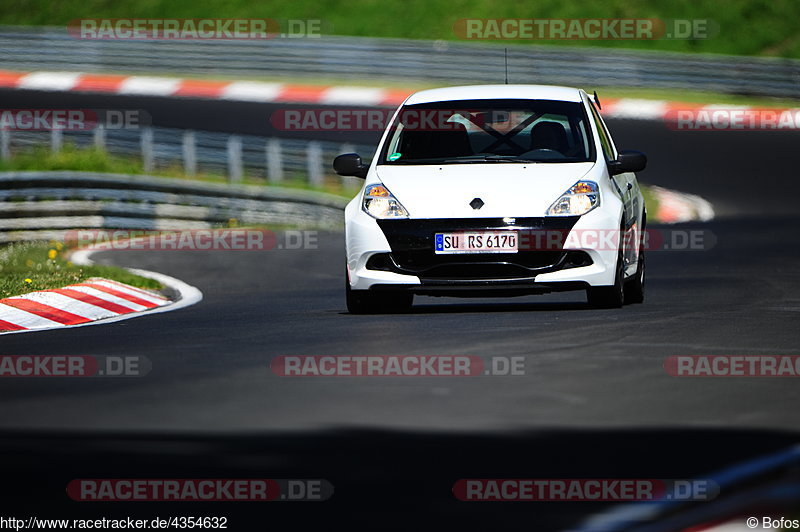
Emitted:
<point x="581" y="198"/>
<point x="380" y="203"/>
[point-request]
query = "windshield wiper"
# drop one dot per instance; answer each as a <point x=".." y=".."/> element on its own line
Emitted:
<point x="490" y="158"/>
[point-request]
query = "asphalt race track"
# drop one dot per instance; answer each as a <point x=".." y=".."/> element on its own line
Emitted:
<point x="594" y="401"/>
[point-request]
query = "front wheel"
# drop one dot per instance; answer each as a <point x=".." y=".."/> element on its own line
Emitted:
<point x="368" y="302"/>
<point x="634" y="289"/>
<point x="609" y="296"/>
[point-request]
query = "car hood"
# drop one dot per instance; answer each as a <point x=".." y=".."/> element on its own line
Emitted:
<point x="506" y="189"/>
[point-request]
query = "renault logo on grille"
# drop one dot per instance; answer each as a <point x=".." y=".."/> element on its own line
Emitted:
<point x="476" y="204"/>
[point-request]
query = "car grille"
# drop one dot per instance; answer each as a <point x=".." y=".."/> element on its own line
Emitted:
<point x="412" y="244"/>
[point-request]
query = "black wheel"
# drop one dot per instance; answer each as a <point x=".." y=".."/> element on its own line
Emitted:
<point x="634" y="288"/>
<point x="359" y="301"/>
<point x="609" y="296"/>
<point x="367" y="302"/>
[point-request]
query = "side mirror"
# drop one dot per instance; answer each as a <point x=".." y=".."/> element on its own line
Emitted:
<point x="628" y="161"/>
<point x="350" y="164"/>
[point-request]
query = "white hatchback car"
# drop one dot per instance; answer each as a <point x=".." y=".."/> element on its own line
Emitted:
<point x="494" y="190"/>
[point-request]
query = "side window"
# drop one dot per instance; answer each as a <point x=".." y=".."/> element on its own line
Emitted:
<point x="605" y="139"/>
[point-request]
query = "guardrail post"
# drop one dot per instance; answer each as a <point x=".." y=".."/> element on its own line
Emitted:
<point x="274" y="161"/>
<point x="56" y="140"/>
<point x="234" y="159"/>
<point x="5" y="144"/>
<point x="100" y="137"/>
<point x="189" y="153"/>
<point x="146" y="142"/>
<point x="316" y="176"/>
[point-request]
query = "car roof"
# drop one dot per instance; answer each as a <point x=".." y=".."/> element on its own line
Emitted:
<point x="487" y="92"/>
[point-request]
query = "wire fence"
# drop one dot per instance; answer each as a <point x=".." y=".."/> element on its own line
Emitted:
<point x="381" y="60"/>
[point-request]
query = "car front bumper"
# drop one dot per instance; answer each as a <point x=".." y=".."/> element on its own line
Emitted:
<point x="398" y="254"/>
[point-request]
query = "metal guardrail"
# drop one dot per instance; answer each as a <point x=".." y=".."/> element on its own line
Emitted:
<point x="196" y="152"/>
<point x="44" y="205"/>
<point x="51" y="48"/>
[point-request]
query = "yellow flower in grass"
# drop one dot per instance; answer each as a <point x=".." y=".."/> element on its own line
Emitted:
<point x="29" y="280"/>
<point x="52" y="254"/>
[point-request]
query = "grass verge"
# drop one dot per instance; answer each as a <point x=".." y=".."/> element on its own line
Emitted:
<point x="31" y="266"/>
<point x="650" y="203"/>
<point x="92" y="159"/>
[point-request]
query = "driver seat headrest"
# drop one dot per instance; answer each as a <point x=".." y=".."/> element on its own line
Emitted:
<point x="549" y="136"/>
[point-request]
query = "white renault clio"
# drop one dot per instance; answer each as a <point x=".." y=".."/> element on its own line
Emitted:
<point x="494" y="190"/>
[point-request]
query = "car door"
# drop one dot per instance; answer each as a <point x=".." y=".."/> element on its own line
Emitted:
<point x="628" y="189"/>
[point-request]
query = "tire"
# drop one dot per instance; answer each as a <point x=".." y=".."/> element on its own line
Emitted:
<point x="367" y="302"/>
<point x="609" y="296"/>
<point x="634" y="288"/>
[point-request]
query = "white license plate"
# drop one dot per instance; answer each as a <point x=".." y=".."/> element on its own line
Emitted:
<point x="476" y="242"/>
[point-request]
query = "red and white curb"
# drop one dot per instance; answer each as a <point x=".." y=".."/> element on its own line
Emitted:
<point x="258" y="91"/>
<point x="677" y="207"/>
<point x="91" y="302"/>
<point x="79" y="303"/>
<point x="251" y="91"/>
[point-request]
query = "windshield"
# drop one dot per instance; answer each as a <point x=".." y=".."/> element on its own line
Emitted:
<point x="484" y="131"/>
